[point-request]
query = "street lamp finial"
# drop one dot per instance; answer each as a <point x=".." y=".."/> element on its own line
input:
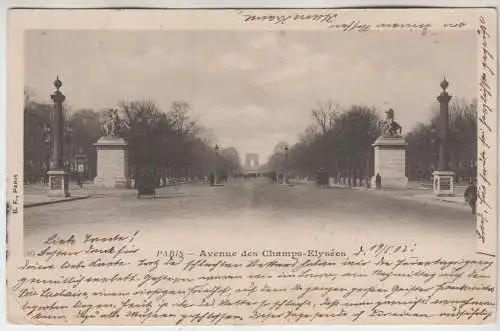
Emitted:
<point x="444" y="84"/>
<point x="57" y="82"/>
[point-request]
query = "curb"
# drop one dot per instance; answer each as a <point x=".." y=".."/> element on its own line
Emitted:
<point x="434" y="201"/>
<point x="448" y="201"/>
<point x="421" y="199"/>
<point x="44" y="203"/>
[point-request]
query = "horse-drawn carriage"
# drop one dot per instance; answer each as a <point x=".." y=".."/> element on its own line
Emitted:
<point x="145" y="184"/>
<point x="322" y="177"/>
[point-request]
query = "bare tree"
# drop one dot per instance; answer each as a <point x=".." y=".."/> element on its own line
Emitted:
<point x="180" y="119"/>
<point x="339" y="142"/>
<point x="325" y="114"/>
<point x="280" y="147"/>
<point x="309" y="135"/>
<point x="424" y="139"/>
<point x="139" y="111"/>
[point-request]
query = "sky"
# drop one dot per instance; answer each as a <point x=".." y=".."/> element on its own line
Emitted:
<point x="252" y="90"/>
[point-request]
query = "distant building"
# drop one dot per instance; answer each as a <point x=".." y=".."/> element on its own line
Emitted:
<point x="252" y="166"/>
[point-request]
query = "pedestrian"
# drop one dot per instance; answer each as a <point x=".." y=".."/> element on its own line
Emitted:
<point x="212" y="179"/>
<point x="79" y="180"/>
<point x="470" y="195"/>
<point x="378" y="182"/>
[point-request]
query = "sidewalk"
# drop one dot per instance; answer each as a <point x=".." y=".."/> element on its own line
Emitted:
<point x="36" y="195"/>
<point x="415" y="192"/>
<point x="428" y="196"/>
<point x="425" y="196"/>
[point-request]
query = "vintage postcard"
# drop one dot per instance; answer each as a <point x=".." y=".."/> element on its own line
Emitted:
<point x="252" y="167"/>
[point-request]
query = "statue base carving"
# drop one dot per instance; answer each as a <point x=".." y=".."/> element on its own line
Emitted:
<point x="443" y="182"/>
<point x="58" y="184"/>
<point x="390" y="162"/>
<point x="112" y="163"/>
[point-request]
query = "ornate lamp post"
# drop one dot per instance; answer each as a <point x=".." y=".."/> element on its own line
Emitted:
<point x="443" y="176"/>
<point x="216" y="170"/>
<point x="69" y="159"/>
<point x="48" y="142"/>
<point x="285" y="175"/>
<point x="58" y="178"/>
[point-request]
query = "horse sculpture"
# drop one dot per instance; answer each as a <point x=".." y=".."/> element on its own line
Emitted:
<point x="111" y="123"/>
<point x="390" y="128"/>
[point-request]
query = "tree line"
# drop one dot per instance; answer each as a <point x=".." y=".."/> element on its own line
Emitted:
<point x="339" y="142"/>
<point x="424" y="140"/>
<point x="169" y="143"/>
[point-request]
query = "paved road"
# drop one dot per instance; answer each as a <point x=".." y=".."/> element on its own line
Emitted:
<point x="255" y="209"/>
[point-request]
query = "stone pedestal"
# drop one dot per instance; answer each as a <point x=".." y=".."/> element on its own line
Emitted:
<point x="112" y="163"/>
<point x="58" y="184"/>
<point x="390" y="162"/>
<point x="443" y="183"/>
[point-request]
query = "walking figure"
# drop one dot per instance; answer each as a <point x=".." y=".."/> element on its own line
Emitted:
<point x="378" y="182"/>
<point x="79" y="180"/>
<point x="470" y="195"/>
<point x="322" y="177"/>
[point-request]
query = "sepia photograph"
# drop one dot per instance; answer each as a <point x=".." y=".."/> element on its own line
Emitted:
<point x="369" y="131"/>
<point x="277" y="168"/>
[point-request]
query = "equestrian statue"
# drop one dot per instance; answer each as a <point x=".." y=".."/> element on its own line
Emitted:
<point x="390" y="128"/>
<point x="111" y="123"/>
